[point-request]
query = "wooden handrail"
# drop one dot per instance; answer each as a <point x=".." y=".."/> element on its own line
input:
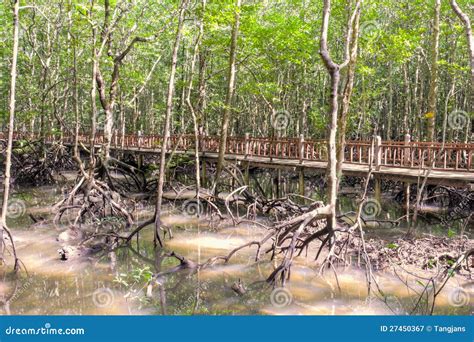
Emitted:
<point x="406" y="154"/>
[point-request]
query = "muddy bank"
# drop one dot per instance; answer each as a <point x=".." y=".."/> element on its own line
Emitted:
<point x="426" y="256"/>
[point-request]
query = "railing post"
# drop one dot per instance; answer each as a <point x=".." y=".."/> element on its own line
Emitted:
<point x="378" y="152"/>
<point x="469" y="158"/>
<point x="301" y="148"/>
<point x="139" y="140"/>
<point x="406" y="154"/>
<point x="247" y="145"/>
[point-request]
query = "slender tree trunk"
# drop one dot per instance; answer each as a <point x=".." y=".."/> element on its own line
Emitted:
<point x="419" y="106"/>
<point x="76" y="100"/>
<point x="108" y="101"/>
<point x="190" y="106"/>
<point x="415" y="100"/>
<point x="230" y="90"/>
<point x="446" y="106"/>
<point x="347" y="94"/>
<point x="334" y="73"/>
<point x="470" y="43"/>
<point x="11" y="127"/>
<point x="93" y="98"/>
<point x="166" y="128"/>
<point x="407" y="101"/>
<point x="432" y="97"/>
<point x="202" y="101"/>
<point x="470" y="39"/>
<point x="390" y="102"/>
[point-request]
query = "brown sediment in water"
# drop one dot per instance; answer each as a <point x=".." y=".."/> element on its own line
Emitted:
<point x="72" y="283"/>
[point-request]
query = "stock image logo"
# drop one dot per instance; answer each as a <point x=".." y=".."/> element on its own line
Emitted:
<point x="24" y="287"/>
<point x="458" y="119"/>
<point x="192" y="208"/>
<point x="251" y="258"/>
<point x="394" y="304"/>
<point x="459" y="297"/>
<point x="47" y="329"/>
<point x="281" y="120"/>
<point x="281" y="297"/>
<point x="371" y="209"/>
<point x="189" y="303"/>
<point x="103" y="297"/>
<point x="370" y="29"/>
<point x="16" y="208"/>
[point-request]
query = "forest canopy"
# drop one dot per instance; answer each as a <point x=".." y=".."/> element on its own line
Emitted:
<point x="278" y="66"/>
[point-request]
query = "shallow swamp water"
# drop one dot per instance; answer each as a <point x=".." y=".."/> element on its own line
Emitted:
<point x="115" y="283"/>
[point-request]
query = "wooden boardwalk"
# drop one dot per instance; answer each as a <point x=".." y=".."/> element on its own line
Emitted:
<point x="444" y="177"/>
<point x="409" y="161"/>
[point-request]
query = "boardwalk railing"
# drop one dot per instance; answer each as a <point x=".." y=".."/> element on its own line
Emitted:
<point x="404" y="154"/>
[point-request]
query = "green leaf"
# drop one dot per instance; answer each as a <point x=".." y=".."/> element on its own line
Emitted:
<point x="392" y="245"/>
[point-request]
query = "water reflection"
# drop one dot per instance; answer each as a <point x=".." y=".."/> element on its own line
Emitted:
<point x="121" y="282"/>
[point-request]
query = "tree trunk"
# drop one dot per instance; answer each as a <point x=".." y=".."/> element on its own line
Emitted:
<point x="334" y="73"/>
<point x="347" y="94"/>
<point x="431" y="113"/>
<point x="407" y="101"/>
<point x="190" y="106"/>
<point x="446" y="106"/>
<point x="76" y="100"/>
<point x="230" y="90"/>
<point x="108" y="102"/>
<point x="390" y="102"/>
<point x="93" y="98"/>
<point x="202" y="100"/>
<point x="470" y="43"/>
<point x="166" y="128"/>
<point x="470" y="40"/>
<point x="11" y="127"/>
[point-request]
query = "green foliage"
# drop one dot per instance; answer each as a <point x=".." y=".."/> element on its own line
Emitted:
<point x="180" y="159"/>
<point x="392" y="245"/>
<point x="136" y="276"/>
<point x="278" y="65"/>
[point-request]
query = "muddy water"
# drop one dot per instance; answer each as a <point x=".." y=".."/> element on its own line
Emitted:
<point x="116" y="283"/>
